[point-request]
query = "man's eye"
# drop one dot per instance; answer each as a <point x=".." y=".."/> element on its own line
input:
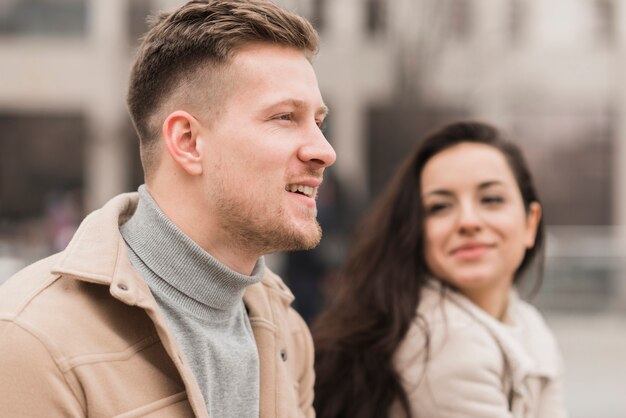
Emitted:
<point x="321" y="124"/>
<point x="286" y="116"/>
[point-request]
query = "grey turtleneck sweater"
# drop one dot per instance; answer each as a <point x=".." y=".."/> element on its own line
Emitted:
<point x="202" y="301"/>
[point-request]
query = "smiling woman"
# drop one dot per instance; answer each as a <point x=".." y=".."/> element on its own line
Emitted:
<point x="477" y="225"/>
<point x="427" y="322"/>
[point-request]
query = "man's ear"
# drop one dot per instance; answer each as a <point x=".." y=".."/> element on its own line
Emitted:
<point x="180" y="131"/>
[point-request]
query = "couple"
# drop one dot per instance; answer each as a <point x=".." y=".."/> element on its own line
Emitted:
<point x="162" y="306"/>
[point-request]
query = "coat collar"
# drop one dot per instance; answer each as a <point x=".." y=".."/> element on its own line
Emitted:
<point x="525" y="341"/>
<point x="98" y="254"/>
<point x="257" y="300"/>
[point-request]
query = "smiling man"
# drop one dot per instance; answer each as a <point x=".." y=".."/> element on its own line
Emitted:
<point x="162" y="305"/>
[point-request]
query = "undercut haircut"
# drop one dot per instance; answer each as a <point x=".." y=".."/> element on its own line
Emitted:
<point x="183" y="55"/>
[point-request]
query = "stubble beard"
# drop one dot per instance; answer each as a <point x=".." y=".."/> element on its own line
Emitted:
<point x="256" y="231"/>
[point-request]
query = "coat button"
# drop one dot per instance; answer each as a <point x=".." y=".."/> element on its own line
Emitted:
<point x="122" y="286"/>
<point x="283" y="355"/>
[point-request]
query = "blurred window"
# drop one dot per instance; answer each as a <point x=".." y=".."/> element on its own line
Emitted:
<point x="388" y="127"/>
<point x="39" y="153"/>
<point x="317" y="14"/>
<point x="375" y="17"/>
<point x="138" y="12"/>
<point x="517" y="21"/>
<point x="460" y="19"/>
<point x="43" y="17"/>
<point x="570" y="153"/>
<point x="605" y="21"/>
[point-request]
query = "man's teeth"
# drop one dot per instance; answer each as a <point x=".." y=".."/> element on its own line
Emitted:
<point x="307" y="190"/>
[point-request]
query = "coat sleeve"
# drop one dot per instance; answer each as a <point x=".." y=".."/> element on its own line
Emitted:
<point x="31" y="382"/>
<point x="461" y="376"/>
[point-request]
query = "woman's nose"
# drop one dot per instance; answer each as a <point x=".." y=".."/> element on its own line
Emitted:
<point x="469" y="219"/>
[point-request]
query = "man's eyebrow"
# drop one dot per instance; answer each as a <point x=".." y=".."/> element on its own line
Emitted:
<point x="297" y="103"/>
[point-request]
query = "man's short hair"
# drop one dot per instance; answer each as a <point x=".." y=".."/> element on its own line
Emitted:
<point x="191" y="45"/>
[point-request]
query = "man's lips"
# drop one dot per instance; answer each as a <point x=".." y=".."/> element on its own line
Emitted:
<point x="302" y="189"/>
<point x="307" y="186"/>
<point x="305" y="190"/>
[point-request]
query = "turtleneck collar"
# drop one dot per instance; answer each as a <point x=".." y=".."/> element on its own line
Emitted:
<point x="180" y="262"/>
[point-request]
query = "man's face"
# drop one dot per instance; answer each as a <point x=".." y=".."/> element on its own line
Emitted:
<point x="263" y="152"/>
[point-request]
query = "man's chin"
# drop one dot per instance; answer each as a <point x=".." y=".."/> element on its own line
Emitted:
<point x="301" y="239"/>
<point x="309" y="243"/>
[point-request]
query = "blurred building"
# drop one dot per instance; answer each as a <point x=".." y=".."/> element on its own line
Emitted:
<point x="547" y="72"/>
<point x="66" y="144"/>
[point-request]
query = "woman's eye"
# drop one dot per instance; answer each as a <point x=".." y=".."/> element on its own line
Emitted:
<point x="286" y="116"/>
<point x="436" y="208"/>
<point x="492" y="200"/>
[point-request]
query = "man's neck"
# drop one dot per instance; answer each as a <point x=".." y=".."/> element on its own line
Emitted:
<point x="208" y="236"/>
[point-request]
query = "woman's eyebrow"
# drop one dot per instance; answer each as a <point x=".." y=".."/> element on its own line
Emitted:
<point x="487" y="184"/>
<point x="481" y="186"/>
<point x="439" y="192"/>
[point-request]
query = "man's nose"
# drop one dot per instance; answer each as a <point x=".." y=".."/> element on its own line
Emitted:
<point x="317" y="149"/>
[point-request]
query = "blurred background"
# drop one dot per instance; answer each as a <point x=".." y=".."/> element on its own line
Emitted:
<point x="549" y="73"/>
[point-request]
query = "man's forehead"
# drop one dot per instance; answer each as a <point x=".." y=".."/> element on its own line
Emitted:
<point x="268" y="75"/>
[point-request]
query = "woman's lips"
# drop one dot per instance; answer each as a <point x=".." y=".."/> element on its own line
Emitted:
<point x="470" y="252"/>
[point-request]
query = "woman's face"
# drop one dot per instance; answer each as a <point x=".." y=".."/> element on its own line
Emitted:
<point x="476" y="227"/>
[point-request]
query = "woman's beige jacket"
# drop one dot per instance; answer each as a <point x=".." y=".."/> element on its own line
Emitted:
<point x="82" y="336"/>
<point x="477" y="366"/>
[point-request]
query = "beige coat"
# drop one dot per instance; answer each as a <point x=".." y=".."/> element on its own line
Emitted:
<point x="81" y="335"/>
<point x="480" y="367"/>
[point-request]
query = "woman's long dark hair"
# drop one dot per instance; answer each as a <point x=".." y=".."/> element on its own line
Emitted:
<point x="380" y="286"/>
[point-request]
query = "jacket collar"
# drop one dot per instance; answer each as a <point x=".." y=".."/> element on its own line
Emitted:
<point x="98" y="254"/>
<point x="521" y="362"/>
<point x="257" y="300"/>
